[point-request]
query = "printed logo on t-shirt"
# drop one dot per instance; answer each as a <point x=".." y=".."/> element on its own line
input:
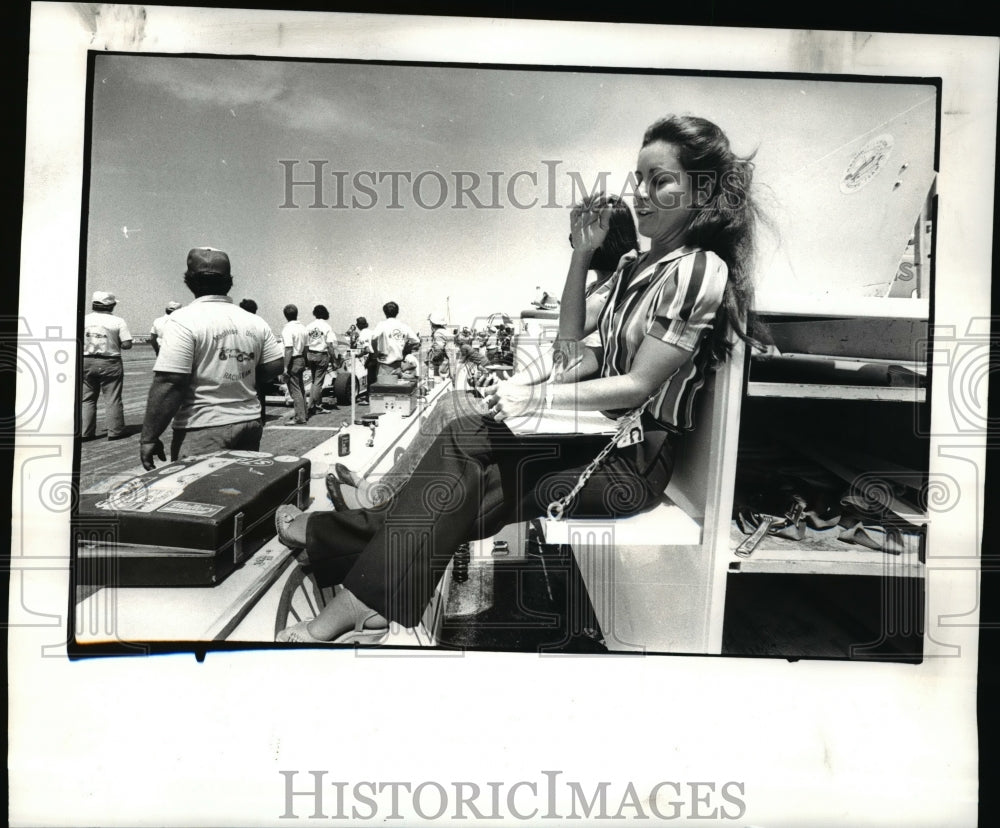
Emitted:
<point x="95" y="341"/>
<point x="235" y="353"/>
<point x="239" y="363"/>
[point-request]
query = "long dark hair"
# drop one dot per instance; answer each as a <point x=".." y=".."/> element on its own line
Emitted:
<point x="724" y="219"/>
<point x="622" y="237"/>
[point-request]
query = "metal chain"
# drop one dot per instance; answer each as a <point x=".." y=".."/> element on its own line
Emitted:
<point x="557" y="508"/>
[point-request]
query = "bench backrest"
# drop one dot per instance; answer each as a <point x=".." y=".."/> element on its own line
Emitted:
<point x="696" y="481"/>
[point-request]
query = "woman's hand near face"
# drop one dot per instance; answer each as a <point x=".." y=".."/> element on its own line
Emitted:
<point x="589" y="228"/>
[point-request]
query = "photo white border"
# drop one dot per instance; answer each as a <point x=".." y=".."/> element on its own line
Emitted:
<point x="169" y="741"/>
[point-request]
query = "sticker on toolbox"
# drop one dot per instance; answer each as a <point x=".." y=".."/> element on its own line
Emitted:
<point x="135" y="496"/>
<point x="108" y="485"/>
<point x="187" y="507"/>
<point x="286" y="458"/>
<point x="188" y="474"/>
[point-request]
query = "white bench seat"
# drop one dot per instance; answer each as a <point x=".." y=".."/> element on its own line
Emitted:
<point x="664" y="524"/>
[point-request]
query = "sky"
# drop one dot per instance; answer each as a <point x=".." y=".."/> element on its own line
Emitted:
<point x="191" y="151"/>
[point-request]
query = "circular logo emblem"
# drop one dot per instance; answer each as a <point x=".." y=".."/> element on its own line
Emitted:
<point x="130" y="495"/>
<point x="866" y="163"/>
<point x="257" y="462"/>
<point x="286" y="458"/>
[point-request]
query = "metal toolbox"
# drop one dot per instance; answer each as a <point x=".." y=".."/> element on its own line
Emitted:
<point x="188" y="523"/>
<point x="393" y="397"/>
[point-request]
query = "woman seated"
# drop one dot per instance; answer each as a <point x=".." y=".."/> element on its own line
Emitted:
<point x="666" y="318"/>
<point x="348" y="489"/>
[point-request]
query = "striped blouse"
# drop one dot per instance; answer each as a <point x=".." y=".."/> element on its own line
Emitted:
<point x="676" y="300"/>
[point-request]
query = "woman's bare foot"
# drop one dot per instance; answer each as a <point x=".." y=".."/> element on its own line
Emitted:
<point x="344" y="620"/>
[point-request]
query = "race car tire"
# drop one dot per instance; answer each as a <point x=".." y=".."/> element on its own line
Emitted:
<point x="342" y="388"/>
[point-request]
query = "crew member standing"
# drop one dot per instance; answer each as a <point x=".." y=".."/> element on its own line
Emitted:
<point x="437" y="357"/>
<point x="321" y="354"/>
<point x="293" y="337"/>
<point x="156" y="329"/>
<point x="352" y="336"/>
<point x="492" y="344"/>
<point x="391" y="341"/>
<point x="105" y="336"/>
<point x="366" y="353"/>
<point x="251" y="307"/>
<point x="212" y="358"/>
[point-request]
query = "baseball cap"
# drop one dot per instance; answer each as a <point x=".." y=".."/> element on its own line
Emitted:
<point x="102" y="297"/>
<point x="207" y="261"/>
<point x="436" y="319"/>
<point x="172" y="306"/>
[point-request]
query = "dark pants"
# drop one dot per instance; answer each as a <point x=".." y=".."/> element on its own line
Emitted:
<point x="371" y="365"/>
<point x="263" y="406"/>
<point x="318" y="362"/>
<point x="102" y="377"/>
<point x="296" y="386"/>
<point x="392" y="558"/>
<point x="447" y="409"/>
<point x="439" y="363"/>
<point x="385" y="372"/>
<point x="188" y="442"/>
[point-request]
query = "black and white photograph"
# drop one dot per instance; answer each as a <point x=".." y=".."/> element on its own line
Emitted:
<point x="387" y="379"/>
<point x="424" y="250"/>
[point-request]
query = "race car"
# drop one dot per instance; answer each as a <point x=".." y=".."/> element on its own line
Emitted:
<point x="336" y="383"/>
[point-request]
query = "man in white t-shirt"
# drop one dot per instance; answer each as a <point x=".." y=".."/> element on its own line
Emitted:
<point x="156" y="329"/>
<point x="321" y="354"/>
<point x="212" y="357"/>
<point x="391" y="341"/>
<point x="293" y="338"/>
<point x="367" y="356"/>
<point x="492" y="345"/>
<point x="105" y="336"/>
